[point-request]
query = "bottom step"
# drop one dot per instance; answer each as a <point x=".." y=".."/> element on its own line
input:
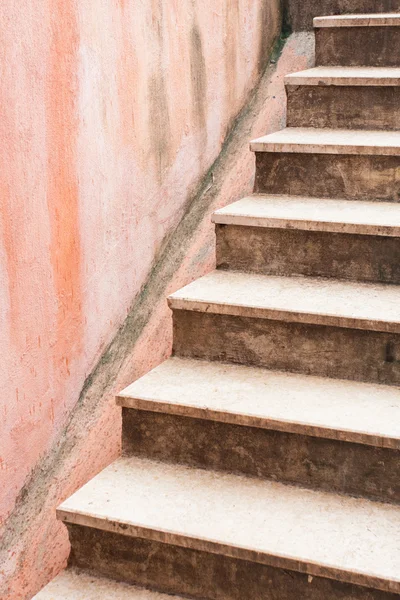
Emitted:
<point x="74" y="584"/>
<point x="316" y="533"/>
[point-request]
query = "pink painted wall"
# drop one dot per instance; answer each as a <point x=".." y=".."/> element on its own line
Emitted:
<point x="112" y="112"/>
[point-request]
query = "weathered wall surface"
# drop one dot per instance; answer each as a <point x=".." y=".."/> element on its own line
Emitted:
<point x="113" y="114"/>
<point x="300" y="13"/>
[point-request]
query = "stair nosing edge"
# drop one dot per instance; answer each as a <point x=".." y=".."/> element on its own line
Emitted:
<point x="143" y="403"/>
<point x="239" y="552"/>
<point x="317" y="225"/>
<point x="285" y="315"/>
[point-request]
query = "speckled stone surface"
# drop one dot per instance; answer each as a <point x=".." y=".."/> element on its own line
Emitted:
<point x="313" y="214"/>
<point x="373" y="307"/>
<point x="74" y="584"/>
<point x="329" y="141"/>
<point x="366" y="20"/>
<point x="352" y="540"/>
<point x="345" y="410"/>
<point x="346" y="76"/>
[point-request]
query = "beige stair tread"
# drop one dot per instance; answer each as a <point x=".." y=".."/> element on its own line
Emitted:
<point x="349" y="76"/>
<point x="361" y="20"/>
<point x="303" y="404"/>
<point x="330" y="141"/>
<point x="370" y="306"/>
<point x="74" y="584"/>
<point x="319" y="533"/>
<point x="313" y="214"/>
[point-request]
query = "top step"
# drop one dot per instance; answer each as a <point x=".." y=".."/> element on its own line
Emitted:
<point x="376" y="20"/>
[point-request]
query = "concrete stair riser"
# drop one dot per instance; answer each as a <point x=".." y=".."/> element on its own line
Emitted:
<point x="313" y="462"/>
<point x="358" y="46"/>
<point x="352" y="177"/>
<point x="336" y="352"/>
<point x="290" y="252"/>
<point x="356" y="107"/>
<point x="178" y="570"/>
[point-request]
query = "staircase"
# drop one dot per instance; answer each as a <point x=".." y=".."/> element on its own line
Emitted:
<point x="262" y="461"/>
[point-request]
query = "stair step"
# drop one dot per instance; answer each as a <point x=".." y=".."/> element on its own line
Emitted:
<point x="335" y="409"/>
<point x="370" y="20"/>
<point x="352" y="540"/>
<point x="329" y="141"/>
<point x="356" y="98"/>
<point x="75" y="584"/>
<point x="346" y="76"/>
<point x="368" y="306"/>
<point x="358" y="40"/>
<point x="313" y="214"/>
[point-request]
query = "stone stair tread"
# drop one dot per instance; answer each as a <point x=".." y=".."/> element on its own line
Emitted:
<point x="255" y="397"/>
<point x="311" y="300"/>
<point x="329" y="141"/>
<point x="320" y="533"/>
<point x="313" y="214"/>
<point x="74" y="584"/>
<point x="359" y="20"/>
<point x="346" y="76"/>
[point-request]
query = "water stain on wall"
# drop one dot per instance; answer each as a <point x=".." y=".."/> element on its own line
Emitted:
<point x="268" y="20"/>
<point x="198" y="79"/>
<point x="159" y="123"/>
<point x="232" y="20"/>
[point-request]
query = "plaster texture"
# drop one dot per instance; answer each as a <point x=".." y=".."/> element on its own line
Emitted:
<point x="106" y="164"/>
